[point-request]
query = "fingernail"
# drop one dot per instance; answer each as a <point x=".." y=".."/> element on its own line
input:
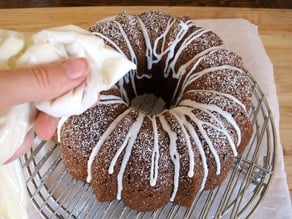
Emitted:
<point x="76" y="68"/>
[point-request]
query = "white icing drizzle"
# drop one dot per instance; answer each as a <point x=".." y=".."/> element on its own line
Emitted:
<point x="102" y="139"/>
<point x="194" y="77"/>
<point x="187" y="41"/>
<point x="163" y="51"/>
<point x="155" y="154"/>
<point x="59" y="127"/>
<point x="226" y="95"/>
<point x="182" y="69"/>
<point x="149" y="50"/>
<point x="110" y="99"/>
<point x="189" y="146"/>
<point x="199" y="145"/>
<point x="214" y="108"/>
<point x="128" y="143"/>
<point x="199" y="123"/>
<point x="174" y="155"/>
<point x="198" y="57"/>
<point x="184" y="29"/>
<point x="171" y="47"/>
<point x="182" y="109"/>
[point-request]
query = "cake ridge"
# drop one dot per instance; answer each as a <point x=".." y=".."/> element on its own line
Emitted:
<point x="173" y="154"/>
<point x="135" y="128"/>
<point x="100" y="142"/>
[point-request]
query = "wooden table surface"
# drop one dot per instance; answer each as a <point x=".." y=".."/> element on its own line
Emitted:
<point x="275" y="28"/>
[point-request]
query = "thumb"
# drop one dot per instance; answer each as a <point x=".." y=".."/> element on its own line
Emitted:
<point x="43" y="82"/>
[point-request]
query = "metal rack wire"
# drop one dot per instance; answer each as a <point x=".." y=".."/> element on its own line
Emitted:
<point x="55" y="194"/>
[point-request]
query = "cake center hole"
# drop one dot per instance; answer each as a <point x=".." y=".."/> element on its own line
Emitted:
<point x="149" y="104"/>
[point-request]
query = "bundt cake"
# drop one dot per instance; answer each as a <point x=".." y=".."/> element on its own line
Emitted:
<point x="150" y="158"/>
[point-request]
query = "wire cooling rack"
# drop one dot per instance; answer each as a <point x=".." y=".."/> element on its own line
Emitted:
<point x="55" y="194"/>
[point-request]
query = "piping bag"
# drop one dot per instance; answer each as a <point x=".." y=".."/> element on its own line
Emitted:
<point x="106" y="67"/>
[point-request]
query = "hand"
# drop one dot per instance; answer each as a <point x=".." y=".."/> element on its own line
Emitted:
<point x="44" y="82"/>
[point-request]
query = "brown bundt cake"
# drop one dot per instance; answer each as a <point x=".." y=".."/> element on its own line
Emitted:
<point x="149" y="159"/>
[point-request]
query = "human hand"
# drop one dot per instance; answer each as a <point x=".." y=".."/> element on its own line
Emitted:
<point x="43" y="82"/>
